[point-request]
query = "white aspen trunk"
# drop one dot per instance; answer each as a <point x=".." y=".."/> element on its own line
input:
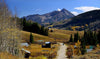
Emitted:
<point x="10" y="35"/>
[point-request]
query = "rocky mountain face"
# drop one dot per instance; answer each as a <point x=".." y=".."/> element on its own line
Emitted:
<point x="51" y="17"/>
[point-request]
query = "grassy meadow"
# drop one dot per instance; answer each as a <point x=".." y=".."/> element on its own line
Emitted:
<point x="26" y="37"/>
<point x="63" y="35"/>
<point x="57" y="34"/>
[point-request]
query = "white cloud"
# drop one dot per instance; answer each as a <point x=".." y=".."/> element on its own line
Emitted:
<point x="86" y="8"/>
<point x="75" y="13"/>
<point x="59" y="9"/>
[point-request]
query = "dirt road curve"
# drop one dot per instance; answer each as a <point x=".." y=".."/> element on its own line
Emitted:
<point x="61" y="54"/>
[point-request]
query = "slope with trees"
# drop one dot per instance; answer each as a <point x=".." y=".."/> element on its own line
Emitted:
<point x="91" y="18"/>
<point x="89" y="38"/>
<point x="33" y="27"/>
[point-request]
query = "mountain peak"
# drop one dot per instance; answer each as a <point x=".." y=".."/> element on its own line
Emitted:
<point x="51" y="17"/>
<point x="63" y="9"/>
<point x="58" y="9"/>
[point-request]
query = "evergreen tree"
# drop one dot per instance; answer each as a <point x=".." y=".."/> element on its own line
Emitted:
<point x="76" y="37"/>
<point x="95" y="39"/>
<point x="31" y="38"/>
<point x="86" y="37"/>
<point x="33" y="27"/>
<point x="24" y="24"/>
<point x="71" y="39"/>
<point x="42" y="30"/>
<point x="98" y="36"/>
<point x="46" y="32"/>
<point x="91" y="38"/>
<point x="36" y="28"/>
<point x="83" y="46"/>
<point x="24" y="21"/>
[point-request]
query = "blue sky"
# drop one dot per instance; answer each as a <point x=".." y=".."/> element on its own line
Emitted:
<point x="29" y="7"/>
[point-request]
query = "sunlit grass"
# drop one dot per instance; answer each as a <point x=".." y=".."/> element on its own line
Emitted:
<point x="63" y="35"/>
<point x="6" y="55"/>
<point x="26" y="36"/>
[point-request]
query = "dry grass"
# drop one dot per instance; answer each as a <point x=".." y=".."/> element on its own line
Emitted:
<point x="37" y="50"/>
<point x="59" y="35"/>
<point x="95" y="54"/>
<point x="63" y="35"/>
<point x="26" y="36"/>
<point x="5" y="55"/>
<point x="39" y="57"/>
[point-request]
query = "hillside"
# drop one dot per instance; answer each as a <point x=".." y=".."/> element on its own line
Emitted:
<point x="51" y="17"/>
<point x="63" y="35"/>
<point x="26" y="36"/>
<point x="91" y="18"/>
<point x="59" y="35"/>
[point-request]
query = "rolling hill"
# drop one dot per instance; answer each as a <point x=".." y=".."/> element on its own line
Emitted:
<point x="26" y="37"/>
<point x="57" y="34"/>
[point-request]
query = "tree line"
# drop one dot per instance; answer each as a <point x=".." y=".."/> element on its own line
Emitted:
<point x="33" y="27"/>
<point x="89" y="38"/>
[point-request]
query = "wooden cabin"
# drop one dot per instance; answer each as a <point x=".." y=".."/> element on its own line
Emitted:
<point x="46" y="45"/>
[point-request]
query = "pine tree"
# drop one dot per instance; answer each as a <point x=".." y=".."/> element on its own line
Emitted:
<point x="36" y="28"/>
<point x="90" y="37"/>
<point x="24" y="24"/>
<point x="95" y="39"/>
<point x="24" y="21"/>
<point x="31" y="38"/>
<point x="46" y="32"/>
<point x="98" y="36"/>
<point x="85" y="37"/>
<point x="71" y="39"/>
<point x="83" y="46"/>
<point x="42" y="30"/>
<point x="76" y="37"/>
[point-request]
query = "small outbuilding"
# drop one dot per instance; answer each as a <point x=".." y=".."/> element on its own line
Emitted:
<point x="26" y="53"/>
<point x="46" y="45"/>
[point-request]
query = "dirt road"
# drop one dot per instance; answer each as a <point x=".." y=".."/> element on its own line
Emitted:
<point x="61" y="54"/>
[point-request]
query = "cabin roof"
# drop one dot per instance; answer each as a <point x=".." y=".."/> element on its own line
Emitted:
<point x="25" y="50"/>
<point x="25" y="44"/>
<point x="47" y="42"/>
